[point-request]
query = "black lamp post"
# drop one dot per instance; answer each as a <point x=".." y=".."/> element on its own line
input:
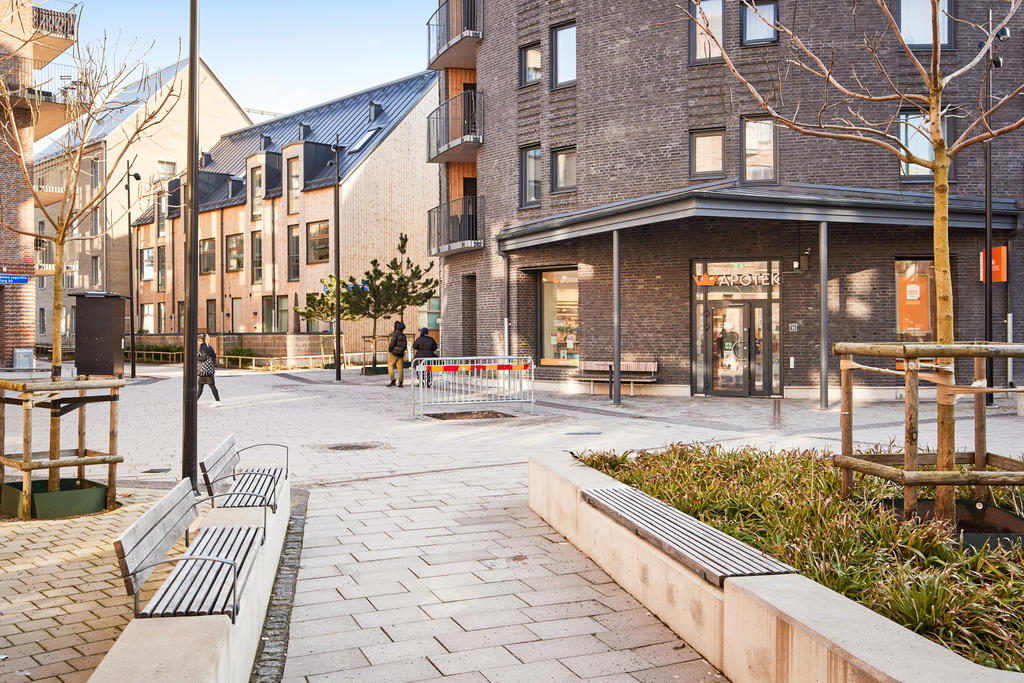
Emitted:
<point x="131" y="271"/>
<point x="336" y="148"/>
<point x="190" y="389"/>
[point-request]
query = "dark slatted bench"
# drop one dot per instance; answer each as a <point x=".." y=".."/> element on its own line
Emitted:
<point x="712" y="554"/>
<point x="630" y="372"/>
<point x="250" y="485"/>
<point x="208" y="579"/>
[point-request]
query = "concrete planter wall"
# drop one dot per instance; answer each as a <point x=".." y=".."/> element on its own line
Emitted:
<point x="781" y="629"/>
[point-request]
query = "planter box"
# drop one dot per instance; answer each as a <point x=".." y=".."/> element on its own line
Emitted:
<point x="782" y="629"/>
<point x="71" y="500"/>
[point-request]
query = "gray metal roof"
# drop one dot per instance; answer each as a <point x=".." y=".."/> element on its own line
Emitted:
<point x="788" y="201"/>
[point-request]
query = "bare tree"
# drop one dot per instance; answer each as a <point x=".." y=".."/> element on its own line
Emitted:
<point x="102" y="87"/>
<point x="866" y="101"/>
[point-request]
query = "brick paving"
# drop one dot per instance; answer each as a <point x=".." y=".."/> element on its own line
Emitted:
<point x="446" y="574"/>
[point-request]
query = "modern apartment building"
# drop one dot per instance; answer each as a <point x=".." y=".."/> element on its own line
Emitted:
<point x="266" y="223"/>
<point x="30" y="39"/>
<point x="581" y="123"/>
<point x="101" y="263"/>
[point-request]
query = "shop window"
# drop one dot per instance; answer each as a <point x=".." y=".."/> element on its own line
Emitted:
<point x="915" y="20"/>
<point x="559" y="318"/>
<point x="706" y="153"/>
<point x="703" y="49"/>
<point x="563" y="170"/>
<point x="293" y="253"/>
<point x="915" y="300"/>
<point x="529" y="176"/>
<point x="760" y="161"/>
<point x="257" y="257"/>
<point x="318" y="242"/>
<point x="207" y="256"/>
<point x="235" y="247"/>
<point x="758" y="30"/>
<point x="529" y="64"/>
<point x="563" y="56"/>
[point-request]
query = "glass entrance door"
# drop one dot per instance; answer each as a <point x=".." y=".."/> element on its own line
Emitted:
<point x="729" y="343"/>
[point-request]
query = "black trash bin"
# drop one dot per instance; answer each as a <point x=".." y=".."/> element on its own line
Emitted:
<point x="99" y="333"/>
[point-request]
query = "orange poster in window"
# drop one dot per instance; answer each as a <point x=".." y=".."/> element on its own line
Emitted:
<point x="998" y="264"/>
<point x="913" y="312"/>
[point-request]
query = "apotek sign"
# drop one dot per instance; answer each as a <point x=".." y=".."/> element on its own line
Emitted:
<point x="743" y="280"/>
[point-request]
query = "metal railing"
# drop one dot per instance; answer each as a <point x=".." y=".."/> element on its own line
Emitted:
<point x="460" y="119"/>
<point x="53" y="21"/>
<point x="472" y="380"/>
<point x="454" y="222"/>
<point x="39" y="80"/>
<point x="452" y="19"/>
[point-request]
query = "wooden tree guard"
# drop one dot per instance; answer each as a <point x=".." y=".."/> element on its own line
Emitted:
<point x="942" y="375"/>
<point x="48" y="395"/>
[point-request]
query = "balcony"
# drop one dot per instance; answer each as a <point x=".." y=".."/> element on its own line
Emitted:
<point x="452" y="227"/>
<point x="46" y="90"/>
<point x="453" y="34"/>
<point x="53" y="31"/>
<point x="455" y="129"/>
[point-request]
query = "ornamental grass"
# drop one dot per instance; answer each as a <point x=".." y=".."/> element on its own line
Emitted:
<point x="788" y="505"/>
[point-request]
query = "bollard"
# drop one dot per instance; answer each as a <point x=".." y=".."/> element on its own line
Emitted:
<point x="776" y="413"/>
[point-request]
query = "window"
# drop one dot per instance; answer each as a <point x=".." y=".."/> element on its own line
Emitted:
<point x="915" y="300"/>
<point x="97" y="222"/>
<point x="235" y="249"/>
<point x="563" y="170"/>
<point x="294" y="185"/>
<point x="161" y="215"/>
<point x="915" y="19"/>
<point x="161" y="268"/>
<point x="559" y="298"/>
<point x="207" y="256"/>
<point x="563" y="56"/>
<point x="256" y="194"/>
<point x="759" y="159"/>
<point x="146" y="264"/>
<point x="165" y="170"/>
<point x="703" y="48"/>
<point x="41" y="282"/>
<point x="363" y="139"/>
<point x="529" y="64"/>
<point x="69" y="321"/>
<point x="146" y="318"/>
<point x="181" y="316"/>
<point x="293" y="252"/>
<point x="916" y="136"/>
<point x="235" y="317"/>
<point x="529" y="176"/>
<point x="430" y="314"/>
<point x="94" y="271"/>
<point x="318" y="247"/>
<point x="758" y="30"/>
<point x="94" y="173"/>
<point x="312" y="324"/>
<point x="41" y="321"/>
<point x="282" y="313"/>
<point x="211" y="315"/>
<point x="706" y="153"/>
<point x="70" y="280"/>
<point x="161" y="317"/>
<point x="257" y="257"/>
<point x="268" y="314"/>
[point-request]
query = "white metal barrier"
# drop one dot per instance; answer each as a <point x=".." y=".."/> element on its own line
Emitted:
<point x="472" y="379"/>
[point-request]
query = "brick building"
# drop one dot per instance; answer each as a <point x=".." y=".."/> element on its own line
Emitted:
<point x="30" y="39"/>
<point x="574" y="121"/>
<point x="266" y="226"/>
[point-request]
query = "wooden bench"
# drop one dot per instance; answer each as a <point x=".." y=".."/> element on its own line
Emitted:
<point x="250" y="485"/>
<point x="209" y="578"/>
<point x="712" y="554"/>
<point x="631" y="371"/>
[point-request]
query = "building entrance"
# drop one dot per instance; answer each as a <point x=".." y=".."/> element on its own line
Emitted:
<point x="736" y="329"/>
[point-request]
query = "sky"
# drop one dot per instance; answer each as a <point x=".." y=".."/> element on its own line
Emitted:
<point x="279" y="56"/>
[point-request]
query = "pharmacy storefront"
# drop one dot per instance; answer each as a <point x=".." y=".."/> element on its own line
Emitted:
<point x="736" y="348"/>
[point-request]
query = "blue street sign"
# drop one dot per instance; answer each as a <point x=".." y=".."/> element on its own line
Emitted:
<point x="6" y="279"/>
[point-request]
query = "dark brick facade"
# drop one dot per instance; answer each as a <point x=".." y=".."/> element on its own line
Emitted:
<point x="17" y="302"/>
<point x="629" y="115"/>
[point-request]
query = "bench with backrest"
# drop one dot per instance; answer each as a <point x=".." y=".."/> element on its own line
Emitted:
<point x="250" y="485"/>
<point x="631" y="372"/>
<point x="208" y="578"/>
<point x="711" y="554"/>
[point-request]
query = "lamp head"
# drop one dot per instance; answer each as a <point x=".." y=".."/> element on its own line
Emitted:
<point x="1003" y="34"/>
<point x="136" y="176"/>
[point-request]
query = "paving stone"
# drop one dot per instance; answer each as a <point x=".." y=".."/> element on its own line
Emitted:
<point x="341" y="640"/>
<point x="422" y="629"/>
<point x="623" y="639"/>
<point x="472" y="640"/>
<point x="668" y="653"/>
<point x="454" y="609"/>
<point x="508" y="617"/>
<point x="697" y="671"/>
<point x="605" y="663"/>
<point x="552" y="671"/>
<point x="393" y="672"/>
<point x="562" y="628"/>
<point x="324" y="662"/>
<point x="402" y="650"/>
<point x="473" y="660"/>
<point x="412" y="599"/>
<point x="567" y="610"/>
<point x="400" y="615"/>
<point x="558" y="648"/>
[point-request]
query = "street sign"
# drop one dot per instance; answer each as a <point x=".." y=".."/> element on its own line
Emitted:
<point x="6" y="279"/>
<point x="998" y="264"/>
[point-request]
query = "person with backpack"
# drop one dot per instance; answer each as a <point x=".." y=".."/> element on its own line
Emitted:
<point x="206" y="359"/>
<point x="425" y="347"/>
<point x="396" y="353"/>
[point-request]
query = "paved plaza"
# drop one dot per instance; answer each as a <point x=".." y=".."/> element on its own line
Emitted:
<point x="420" y="557"/>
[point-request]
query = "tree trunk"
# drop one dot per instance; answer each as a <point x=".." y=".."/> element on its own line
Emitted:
<point x="374" y="344"/>
<point x="58" y="310"/>
<point x="945" y="503"/>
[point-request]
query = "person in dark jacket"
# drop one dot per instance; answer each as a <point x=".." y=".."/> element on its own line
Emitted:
<point x="206" y="359"/>
<point x="425" y="347"/>
<point x="396" y="353"/>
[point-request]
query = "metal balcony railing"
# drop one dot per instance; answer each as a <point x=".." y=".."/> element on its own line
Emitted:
<point x="54" y="21"/>
<point x="39" y="80"/>
<point x="453" y="226"/>
<point x="457" y="121"/>
<point x="453" y="20"/>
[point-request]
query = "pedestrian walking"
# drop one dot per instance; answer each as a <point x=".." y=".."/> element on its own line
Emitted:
<point x="396" y="353"/>
<point x="207" y="361"/>
<point x="425" y="347"/>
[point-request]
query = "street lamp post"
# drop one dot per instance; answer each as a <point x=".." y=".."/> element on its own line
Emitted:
<point x="131" y="271"/>
<point x="336" y="148"/>
<point x="190" y="390"/>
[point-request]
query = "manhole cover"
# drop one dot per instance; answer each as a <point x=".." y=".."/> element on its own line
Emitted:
<point x="157" y="470"/>
<point x="353" y="446"/>
<point x="471" y="415"/>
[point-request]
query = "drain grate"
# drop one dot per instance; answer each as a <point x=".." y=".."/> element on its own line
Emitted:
<point x="353" y="446"/>
<point x="472" y="415"/>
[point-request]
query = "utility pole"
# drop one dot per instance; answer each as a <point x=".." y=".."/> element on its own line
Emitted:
<point x="337" y="258"/>
<point x="189" y="416"/>
<point x="131" y="271"/>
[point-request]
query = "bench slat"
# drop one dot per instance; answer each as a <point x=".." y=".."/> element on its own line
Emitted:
<point x="233" y="543"/>
<point x="176" y="585"/>
<point x="219" y="601"/>
<point x="255" y="482"/>
<point x="221" y="461"/>
<point x="711" y="553"/>
<point x="624" y="366"/>
<point x="154" y="533"/>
